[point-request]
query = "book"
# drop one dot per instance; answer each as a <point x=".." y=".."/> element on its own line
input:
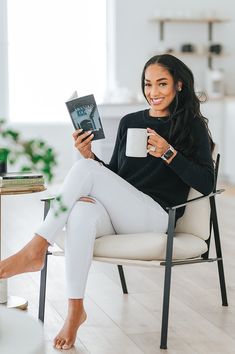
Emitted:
<point x="21" y="181"/>
<point x="21" y="189"/>
<point x="84" y="114"/>
<point x="19" y="175"/>
<point x="18" y="178"/>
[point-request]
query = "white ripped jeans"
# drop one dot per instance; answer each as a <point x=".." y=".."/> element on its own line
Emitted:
<point x="119" y="208"/>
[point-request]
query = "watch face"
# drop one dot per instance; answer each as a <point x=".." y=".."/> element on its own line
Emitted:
<point x="168" y="154"/>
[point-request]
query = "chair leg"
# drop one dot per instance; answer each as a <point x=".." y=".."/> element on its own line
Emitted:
<point x="42" y="295"/>
<point x="167" y="281"/>
<point x="123" y="280"/>
<point x="218" y="252"/>
<point x="43" y="277"/>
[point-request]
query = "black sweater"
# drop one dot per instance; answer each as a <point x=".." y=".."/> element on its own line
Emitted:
<point x="167" y="184"/>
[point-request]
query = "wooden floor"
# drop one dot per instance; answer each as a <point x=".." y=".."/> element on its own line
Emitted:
<point x="119" y="324"/>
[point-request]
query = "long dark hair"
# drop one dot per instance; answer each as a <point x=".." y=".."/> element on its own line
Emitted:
<point x="186" y="105"/>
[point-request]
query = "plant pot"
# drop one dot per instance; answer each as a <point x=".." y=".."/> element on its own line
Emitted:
<point x="3" y="160"/>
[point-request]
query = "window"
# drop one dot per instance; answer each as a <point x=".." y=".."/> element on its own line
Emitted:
<point x="55" y="48"/>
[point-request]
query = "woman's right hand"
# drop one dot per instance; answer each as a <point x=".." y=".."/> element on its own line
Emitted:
<point x="83" y="143"/>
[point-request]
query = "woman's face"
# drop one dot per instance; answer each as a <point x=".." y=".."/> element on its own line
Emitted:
<point x="159" y="89"/>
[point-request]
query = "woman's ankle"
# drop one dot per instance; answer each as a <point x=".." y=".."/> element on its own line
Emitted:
<point x="75" y="306"/>
<point x="41" y="241"/>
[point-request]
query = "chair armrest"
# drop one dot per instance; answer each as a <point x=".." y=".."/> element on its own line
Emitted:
<point x="219" y="191"/>
<point x="46" y="199"/>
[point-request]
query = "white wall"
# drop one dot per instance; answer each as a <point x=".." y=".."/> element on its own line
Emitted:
<point x="229" y="134"/>
<point x="137" y="38"/>
<point x="3" y="61"/>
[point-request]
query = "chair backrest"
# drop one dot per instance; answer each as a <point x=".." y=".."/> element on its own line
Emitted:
<point x="196" y="218"/>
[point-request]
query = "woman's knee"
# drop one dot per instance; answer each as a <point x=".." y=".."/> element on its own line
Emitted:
<point x="89" y="216"/>
<point x="83" y="212"/>
<point x="86" y="163"/>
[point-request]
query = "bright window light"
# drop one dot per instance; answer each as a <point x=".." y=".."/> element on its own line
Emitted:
<point x="55" y="48"/>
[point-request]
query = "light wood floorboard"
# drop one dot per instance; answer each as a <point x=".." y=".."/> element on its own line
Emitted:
<point x="117" y="323"/>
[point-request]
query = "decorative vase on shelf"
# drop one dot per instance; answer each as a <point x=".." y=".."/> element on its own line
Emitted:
<point x="3" y="160"/>
<point x="215" y="83"/>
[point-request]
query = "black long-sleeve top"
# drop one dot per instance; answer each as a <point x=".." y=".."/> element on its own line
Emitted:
<point x="167" y="184"/>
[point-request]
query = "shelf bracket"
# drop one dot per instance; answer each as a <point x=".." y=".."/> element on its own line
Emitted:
<point x="210" y="38"/>
<point x="210" y="28"/>
<point x="161" y="25"/>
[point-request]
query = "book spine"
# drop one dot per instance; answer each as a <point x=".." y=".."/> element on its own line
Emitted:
<point x="8" y="177"/>
<point x="28" y="181"/>
<point x="21" y="189"/>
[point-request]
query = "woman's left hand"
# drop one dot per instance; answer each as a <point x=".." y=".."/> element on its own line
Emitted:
<point x="157" y="145"/>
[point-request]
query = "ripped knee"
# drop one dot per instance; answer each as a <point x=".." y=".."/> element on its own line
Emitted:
<point x="87" y="200"/>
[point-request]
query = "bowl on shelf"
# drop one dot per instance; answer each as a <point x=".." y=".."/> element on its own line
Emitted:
<point x="187" y="48"/>
<point x="215" y="48"/>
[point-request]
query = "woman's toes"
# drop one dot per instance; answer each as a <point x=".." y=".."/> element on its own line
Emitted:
<point x="67" y="346"/>
<point x="58" y="343"/>
<point x="55" y="341"/>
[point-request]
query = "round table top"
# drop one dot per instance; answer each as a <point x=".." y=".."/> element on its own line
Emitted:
<point x="21" y="190"/>
<point x="20" y="333"/>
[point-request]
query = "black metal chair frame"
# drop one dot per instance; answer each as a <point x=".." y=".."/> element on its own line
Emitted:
<point x="168" y="263"/>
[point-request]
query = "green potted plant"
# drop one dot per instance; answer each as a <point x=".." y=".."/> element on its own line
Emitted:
<point x="29" y="155"/>
<point x="3" y="160"/>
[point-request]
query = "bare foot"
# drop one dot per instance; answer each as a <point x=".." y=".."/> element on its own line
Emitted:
<point x="65" y="339"/>
<point x="28" y="259"/>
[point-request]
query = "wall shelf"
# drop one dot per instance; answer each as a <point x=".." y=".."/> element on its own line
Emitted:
<point x="205" y="54"/>
<point x="210" y="21"/>
<point x="189" y="20"/>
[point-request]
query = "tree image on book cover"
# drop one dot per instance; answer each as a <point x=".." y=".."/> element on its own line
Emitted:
<point x="85" y="115"/>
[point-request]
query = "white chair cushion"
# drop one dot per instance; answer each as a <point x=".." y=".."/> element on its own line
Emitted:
<point x="145" y="246"/>
<point x="148" y="246"/>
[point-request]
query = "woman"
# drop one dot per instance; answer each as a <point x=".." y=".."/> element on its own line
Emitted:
<point x="128" y="195"/>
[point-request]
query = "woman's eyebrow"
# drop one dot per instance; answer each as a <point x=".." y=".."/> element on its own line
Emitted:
<point x="162" y="78"/>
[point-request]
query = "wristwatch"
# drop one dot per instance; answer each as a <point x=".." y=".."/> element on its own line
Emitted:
<point x="168" y="153"/>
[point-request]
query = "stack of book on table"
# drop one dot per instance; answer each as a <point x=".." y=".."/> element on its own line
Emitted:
<point x="21" y="181"/>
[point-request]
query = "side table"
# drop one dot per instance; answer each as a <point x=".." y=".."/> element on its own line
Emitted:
<point x="15" y="301"/>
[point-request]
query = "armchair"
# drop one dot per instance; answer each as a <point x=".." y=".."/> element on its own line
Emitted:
<point x="187" y="243"/>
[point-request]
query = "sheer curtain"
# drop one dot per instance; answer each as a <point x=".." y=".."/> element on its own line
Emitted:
<point x="55" y="47"/>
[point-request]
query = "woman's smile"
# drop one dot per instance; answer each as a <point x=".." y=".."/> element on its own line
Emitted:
<point x="157" y="101"/>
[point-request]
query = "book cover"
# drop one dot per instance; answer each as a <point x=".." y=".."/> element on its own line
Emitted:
<point x="84" y="114"/>
<point x="19" y="175"/>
